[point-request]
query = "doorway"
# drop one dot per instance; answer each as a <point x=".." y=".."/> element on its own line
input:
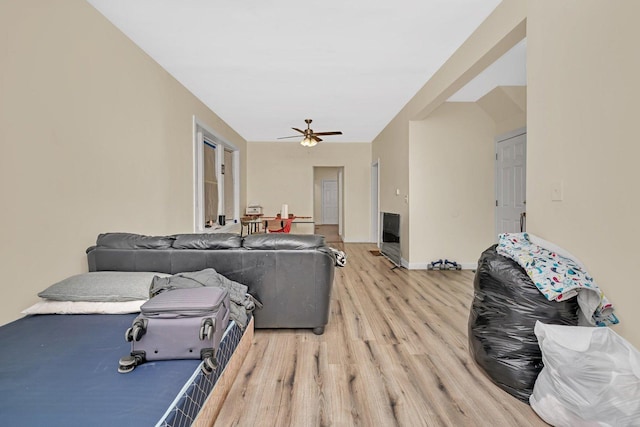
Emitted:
<point x="511" y="184"/>
<point x="328" y="208"/>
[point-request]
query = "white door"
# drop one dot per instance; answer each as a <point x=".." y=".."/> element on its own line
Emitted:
<point x="329" y="201"/>
<point x="511" y="162"/>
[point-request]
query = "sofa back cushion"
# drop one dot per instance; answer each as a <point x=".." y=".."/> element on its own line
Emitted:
<point x="207" y="241"/>
<point x="283" y="241"/>
<point x="133" y="241"/>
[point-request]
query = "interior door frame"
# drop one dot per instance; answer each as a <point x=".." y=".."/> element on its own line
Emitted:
<point x="375" y="202"/>
<point x="497" y="140"/>
<point x="341" y="202"/>
<point x="318" y="198"/>
<point x="202" y="133"/>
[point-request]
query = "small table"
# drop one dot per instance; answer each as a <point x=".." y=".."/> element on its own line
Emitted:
<point x="252" y="222"/>
<point x="296" y="220"/>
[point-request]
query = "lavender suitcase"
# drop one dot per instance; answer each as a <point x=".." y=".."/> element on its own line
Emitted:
<point x="179" y="324"/>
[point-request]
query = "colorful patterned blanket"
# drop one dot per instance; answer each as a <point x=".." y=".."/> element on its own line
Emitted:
<point x="558" y="277"/>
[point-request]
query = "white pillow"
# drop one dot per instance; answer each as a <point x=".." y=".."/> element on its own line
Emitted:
<point x="83" y="307"/>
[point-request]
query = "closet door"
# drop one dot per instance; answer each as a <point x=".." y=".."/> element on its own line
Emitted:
<point x="511" y="173"/>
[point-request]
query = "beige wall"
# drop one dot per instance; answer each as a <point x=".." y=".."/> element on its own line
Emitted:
<point x="583" y="68"/>
<point x="391" y="150"/>
<point x="581" y="104"/>
<point x="496" y="35"/>
<point x="452" y="165"/>
<point x="282" y="172"/>
<point x="95" y="137"/>
<point x="507" y="107"/>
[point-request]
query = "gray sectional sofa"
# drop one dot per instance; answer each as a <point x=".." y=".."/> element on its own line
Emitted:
<point x="292" y="275"/>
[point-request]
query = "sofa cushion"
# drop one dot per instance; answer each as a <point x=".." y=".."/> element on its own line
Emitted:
<point x="207" y="241"/>
<point x="283" y="241"/>
<point x="133" y="241"/>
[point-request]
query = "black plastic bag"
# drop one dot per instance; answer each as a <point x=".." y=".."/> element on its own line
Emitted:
<point x="506" y="305"/>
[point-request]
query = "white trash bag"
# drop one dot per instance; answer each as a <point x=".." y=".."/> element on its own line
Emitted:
<point x="591" y="377"/>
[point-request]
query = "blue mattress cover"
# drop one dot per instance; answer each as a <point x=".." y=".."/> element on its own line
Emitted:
<point x="62" y="370"/>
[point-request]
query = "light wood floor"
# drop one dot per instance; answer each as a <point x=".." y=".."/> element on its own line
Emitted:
<point x="394" y="353"/>
<point x="329" y="231"/>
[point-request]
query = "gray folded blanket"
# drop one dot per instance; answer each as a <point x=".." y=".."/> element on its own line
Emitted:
<point x="242" y="302"/>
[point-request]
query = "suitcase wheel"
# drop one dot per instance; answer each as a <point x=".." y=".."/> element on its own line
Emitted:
<point x="136" y="331"/>
<point x="209" y="365"/>
<point x="123" y="369"/>
<point x="209" y="360"/>
<point x="128" y="363"/>
<point x="207" y="328"/>
<point x="139" y="329"/>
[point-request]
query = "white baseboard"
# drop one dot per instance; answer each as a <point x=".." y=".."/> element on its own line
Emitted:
<point x="420" y="265"/>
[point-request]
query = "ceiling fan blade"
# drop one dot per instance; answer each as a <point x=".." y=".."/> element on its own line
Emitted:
<point x="285" y="137"/>
<point x="328" y="133"/>
<point x="308" y="134"/>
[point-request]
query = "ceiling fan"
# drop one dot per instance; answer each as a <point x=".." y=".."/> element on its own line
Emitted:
<point x="310" y="137"/>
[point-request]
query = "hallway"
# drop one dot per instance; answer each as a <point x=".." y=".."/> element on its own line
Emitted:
<point x="329" y="231"/>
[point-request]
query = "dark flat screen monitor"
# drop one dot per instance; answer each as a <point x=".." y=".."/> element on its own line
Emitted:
<point x="390" y="241"/>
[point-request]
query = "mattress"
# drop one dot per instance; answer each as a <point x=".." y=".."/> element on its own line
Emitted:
<point x="62" y="370"/>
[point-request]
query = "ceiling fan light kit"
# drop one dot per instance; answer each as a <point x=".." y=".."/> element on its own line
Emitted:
<point x="310" y="138"/>
<point x="308" y="142"/>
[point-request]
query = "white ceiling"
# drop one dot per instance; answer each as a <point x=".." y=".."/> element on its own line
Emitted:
<point x="509" y="70"/>
<point x="265" y="66"/>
